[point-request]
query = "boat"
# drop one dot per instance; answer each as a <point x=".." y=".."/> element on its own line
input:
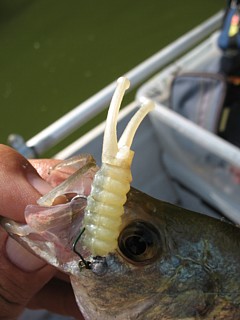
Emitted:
<point x="176" y="159"/>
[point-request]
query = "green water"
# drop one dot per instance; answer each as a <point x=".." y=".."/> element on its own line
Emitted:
<point x="54" y="54"/>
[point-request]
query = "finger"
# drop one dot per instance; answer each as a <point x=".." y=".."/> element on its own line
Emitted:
<point x="21" y="273"/>
<point x="43" y="166"/>
<point x="57" y="296"/>
<point x="17" y="286"/>
<point x="20" y="184"/>
<point x="52" y="173"/>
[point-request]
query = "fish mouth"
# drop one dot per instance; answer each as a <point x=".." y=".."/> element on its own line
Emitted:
<point x="52" y="233"/>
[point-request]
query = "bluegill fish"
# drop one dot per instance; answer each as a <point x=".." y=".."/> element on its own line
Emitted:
<point x="130" y="256"/>
<point x="170" y="263"/>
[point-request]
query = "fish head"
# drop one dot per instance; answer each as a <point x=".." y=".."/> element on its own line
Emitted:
<point x="170" y="263"/>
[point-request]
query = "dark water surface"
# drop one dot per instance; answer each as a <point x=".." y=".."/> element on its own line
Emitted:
<point x="54" y="54"/>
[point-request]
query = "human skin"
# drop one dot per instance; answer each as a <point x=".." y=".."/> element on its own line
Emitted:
<point x="25" y="280"/>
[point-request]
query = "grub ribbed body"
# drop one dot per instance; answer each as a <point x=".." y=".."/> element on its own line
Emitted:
<point x="104" y="209"/>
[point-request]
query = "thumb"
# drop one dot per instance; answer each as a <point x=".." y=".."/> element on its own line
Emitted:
<point x="17" y="286"/>
<point x="22" y="274"/>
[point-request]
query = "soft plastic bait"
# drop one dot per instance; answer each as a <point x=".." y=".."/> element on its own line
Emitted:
<point x="105" y="204"/>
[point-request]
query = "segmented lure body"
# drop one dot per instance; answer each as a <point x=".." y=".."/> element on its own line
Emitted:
<point x="105" y="208"/>
<point x="105" y="204"/>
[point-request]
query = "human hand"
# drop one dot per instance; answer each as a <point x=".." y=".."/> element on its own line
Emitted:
<point x="25" y="280"/>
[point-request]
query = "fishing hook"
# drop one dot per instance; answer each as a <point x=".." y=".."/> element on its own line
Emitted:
<point x="83" y="263"/>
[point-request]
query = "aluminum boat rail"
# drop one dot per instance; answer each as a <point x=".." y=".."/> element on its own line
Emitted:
<point x="67" y="124"/>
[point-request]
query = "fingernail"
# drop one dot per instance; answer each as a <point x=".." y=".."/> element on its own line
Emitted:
<point x="38" y="183"/>
<point x="22" y="258"/>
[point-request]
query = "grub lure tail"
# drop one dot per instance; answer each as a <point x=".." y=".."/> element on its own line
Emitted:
<point x="105" y="204"/>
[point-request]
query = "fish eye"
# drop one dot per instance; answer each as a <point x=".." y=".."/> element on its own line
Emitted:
<point x="140" y="242"/>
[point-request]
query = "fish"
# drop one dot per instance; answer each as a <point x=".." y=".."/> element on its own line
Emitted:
<point x="163" y="261"/>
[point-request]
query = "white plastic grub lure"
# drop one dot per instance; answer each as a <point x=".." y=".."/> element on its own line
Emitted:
<point x="111" y="183"/>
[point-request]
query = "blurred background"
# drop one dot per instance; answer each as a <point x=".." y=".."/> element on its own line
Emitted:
<point x="55" y="54"/>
